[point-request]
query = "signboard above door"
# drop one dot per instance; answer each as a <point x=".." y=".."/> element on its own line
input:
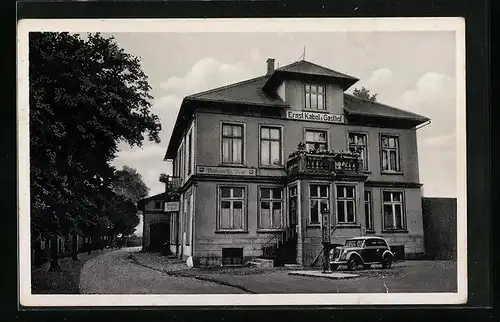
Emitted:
<point x="172" y="206"/>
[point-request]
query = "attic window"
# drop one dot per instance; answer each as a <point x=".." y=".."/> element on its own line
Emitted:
<point x="158" y="205"/>
<point x="315" y="97"/>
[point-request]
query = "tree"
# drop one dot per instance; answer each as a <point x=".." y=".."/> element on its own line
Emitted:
<point x="86" y="95"/>
<point x="128" y="188"/>
<point x="365" y="94"/>
<point x="128" y="183"/>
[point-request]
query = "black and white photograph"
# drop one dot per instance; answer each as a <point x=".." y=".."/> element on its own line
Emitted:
<point x="242" y="162"/>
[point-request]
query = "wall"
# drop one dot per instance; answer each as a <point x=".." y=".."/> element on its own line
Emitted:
<point x="440" y="227"/>
<point x="209" y="145"/>
<point x="209" y="243"/>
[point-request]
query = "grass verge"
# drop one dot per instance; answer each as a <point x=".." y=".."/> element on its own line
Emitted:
<point x="64" y="282"/>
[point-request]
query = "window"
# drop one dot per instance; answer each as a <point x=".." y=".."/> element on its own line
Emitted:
<point x="316" y="140"/>
<point x="368" y="210"/>
<point x="315" y="97"/>
<point x="358" y="143"/>
<point x="189" y="152"/>
<point x="346" y="210"/>
<point x="392" y="203"/>
<point x="158" y="205"/>
<point x="390" y="153"/>
<point x="232" y="143"/>
<point x="318" y="196"/>
<point x="232" y="208"/>
<point x="270" y="146"/>
<point x="271" y="208"/>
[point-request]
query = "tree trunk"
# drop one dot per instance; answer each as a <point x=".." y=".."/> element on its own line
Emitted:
<point x="74" y="247"/>
<point x="54" y="255"/>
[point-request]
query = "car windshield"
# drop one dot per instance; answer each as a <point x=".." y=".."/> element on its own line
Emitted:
<point x="354" y="243"/>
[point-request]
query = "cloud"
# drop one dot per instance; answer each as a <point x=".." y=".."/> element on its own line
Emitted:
<point x="209" y="73"/>
<point x="205" y="74"/>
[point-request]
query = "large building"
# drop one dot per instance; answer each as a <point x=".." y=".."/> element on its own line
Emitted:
<point x="263" y="160"/>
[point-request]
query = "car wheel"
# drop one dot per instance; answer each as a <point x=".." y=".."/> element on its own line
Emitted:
<point x="367" y="266"/>
<point x="334" y="267"/>
<point x="387" y="261"/>
<point x="352" y="264"/>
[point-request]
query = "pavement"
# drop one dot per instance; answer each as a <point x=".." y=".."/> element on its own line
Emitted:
<point x="116" y="273"/>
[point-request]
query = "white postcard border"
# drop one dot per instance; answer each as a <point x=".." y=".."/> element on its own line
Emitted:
<point x="235" y="25"/>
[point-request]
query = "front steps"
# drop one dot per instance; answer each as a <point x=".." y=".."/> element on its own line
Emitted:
<point x="262" y="263"/>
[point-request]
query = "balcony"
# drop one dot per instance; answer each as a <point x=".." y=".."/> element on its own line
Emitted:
<point x="174" y="184"/>
<point x="324" y="163"/>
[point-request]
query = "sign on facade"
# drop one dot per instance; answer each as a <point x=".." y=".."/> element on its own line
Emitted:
<point x="315" y="117"/>
<point x="326" y="227"/>
<point x="226" y="171"/>
<point x="172" y="206"/>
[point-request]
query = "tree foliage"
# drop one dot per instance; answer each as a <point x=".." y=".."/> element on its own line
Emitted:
<point x="365" y="94"/>
<point x="86" y="96"/>
<point x="129" y="184"/>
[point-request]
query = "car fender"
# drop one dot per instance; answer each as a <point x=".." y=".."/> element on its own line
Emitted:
<point x="354" y="254"/>
<point x="387" y="252"/>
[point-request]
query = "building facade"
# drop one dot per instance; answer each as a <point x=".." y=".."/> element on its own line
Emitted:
<point x="262" y="161"/>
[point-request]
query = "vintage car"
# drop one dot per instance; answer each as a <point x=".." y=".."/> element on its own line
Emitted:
<point x="362" y="251"/>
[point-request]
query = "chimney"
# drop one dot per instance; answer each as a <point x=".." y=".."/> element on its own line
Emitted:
<point x="270" y="66"/>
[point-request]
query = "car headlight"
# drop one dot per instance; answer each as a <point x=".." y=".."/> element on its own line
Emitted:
<point x="343" y="255"/>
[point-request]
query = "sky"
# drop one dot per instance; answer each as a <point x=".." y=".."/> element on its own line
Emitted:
<point x="413" y="71"/>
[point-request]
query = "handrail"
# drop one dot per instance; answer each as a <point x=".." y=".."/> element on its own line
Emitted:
<point x="281" y="237"/>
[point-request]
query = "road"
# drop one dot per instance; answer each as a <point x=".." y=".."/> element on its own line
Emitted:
<point x="114" y="273"/>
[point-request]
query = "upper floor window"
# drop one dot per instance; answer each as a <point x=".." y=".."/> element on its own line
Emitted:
<point x="315" y="97"/>
<point x="232" y="208"/>
<point x="232" y="143"/>
<point x="390" y="153"/>
<point x="392" y="203"/>
<point x="316" y="140"/>
<point x="158" y="205"/>
<point x="271" y="208"/>
<point x="346" y="200"/>
<point x="358" y="143"/>
<point x="270" y="146"/>
<point x="319" y="202"/>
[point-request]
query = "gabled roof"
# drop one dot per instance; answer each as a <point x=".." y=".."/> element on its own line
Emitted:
<point x="306" y="69"/>
<point x="142" y="202"/>
<point x="246" y="92"/>
<point x="357" y="106"/>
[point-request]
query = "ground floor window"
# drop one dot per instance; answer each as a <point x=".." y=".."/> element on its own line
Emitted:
<point x="232" y="208"/>
<point x="346" y="204"/>
<point x="368" y="210"/>
<point x="319" y="202"/>
<point x="393" y="210"/>
<point x="271" y="208"/>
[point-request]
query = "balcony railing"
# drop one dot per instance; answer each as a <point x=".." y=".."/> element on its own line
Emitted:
<point x="323" y="162"/>
<point x="174" y="183"/>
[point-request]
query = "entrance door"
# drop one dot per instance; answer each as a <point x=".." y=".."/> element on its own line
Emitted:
<point x="159" y="234"/>
<point x="291" y="244"/>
